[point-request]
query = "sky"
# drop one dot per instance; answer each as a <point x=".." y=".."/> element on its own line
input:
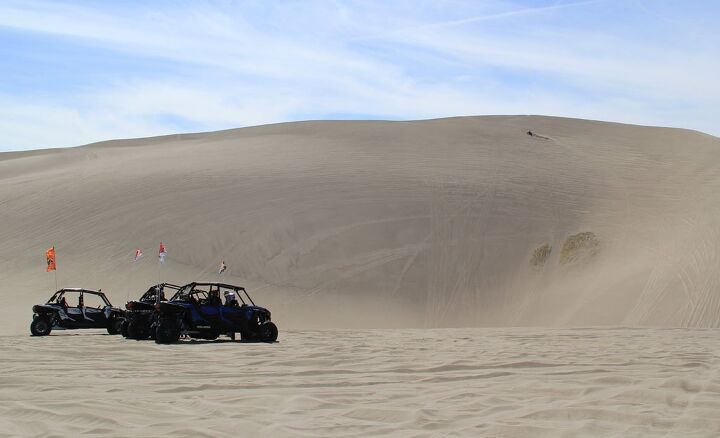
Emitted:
<point x="80" y="72"/>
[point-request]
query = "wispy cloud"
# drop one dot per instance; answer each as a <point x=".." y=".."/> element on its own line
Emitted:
<point x="486" y="17"/>
<point x="122" y="70"/>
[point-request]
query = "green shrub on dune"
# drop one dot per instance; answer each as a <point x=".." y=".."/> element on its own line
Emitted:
<point x="579" y="246"/>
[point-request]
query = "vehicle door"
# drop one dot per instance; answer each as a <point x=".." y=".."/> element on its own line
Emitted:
<point x="232" y="313"/>
<point x="94" y="311"/>
<point x="72" y="316"/>
<point x="209" y="309"/>
<point x="198" y="298"/>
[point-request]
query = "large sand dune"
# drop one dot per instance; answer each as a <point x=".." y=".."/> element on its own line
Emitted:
<point x="451" y="222"/>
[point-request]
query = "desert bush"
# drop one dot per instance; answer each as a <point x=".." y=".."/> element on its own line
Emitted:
<point x="579" y="246"/>
<point x="540" y="255"/>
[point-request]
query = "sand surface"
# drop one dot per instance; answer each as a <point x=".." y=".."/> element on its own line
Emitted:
<point x="343" y="383"/>
<point x="383" y="224"/>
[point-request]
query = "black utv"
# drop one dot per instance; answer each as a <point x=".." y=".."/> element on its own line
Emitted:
<point x="197" y="311"/>
<point x="72" y="308"/>
<point x="140" y="315"/>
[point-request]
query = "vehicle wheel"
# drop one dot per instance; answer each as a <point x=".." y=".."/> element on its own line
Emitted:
<point x="138" y="329"/>
<point x="167" y="332"/>
<point x="268" y="332"/>
<point x="124" y="328"/>
<point x="115" y="326"/>
<point x="41" y="326"/>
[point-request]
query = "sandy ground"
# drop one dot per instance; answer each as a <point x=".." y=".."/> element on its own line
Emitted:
<point x="341" y="383"/>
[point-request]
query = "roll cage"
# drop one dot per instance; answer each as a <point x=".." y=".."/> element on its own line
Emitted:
<point x="152" y="294"/>
<point x="61" y="293"/>
<point x="201" y="291"/>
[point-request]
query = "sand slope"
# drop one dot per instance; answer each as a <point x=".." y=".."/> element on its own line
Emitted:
<point x="358" y="383"/>
<point x="383" y="224"/>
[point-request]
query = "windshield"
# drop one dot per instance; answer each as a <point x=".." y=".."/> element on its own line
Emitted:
<point x="199" y="295"/>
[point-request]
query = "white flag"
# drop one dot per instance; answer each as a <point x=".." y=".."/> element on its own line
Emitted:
<point x="162" y="253"/>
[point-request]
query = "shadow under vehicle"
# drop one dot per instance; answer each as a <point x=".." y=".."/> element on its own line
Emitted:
<point x="141" y="314"/>
<point x="75" y="308"/>
<point x="197" y="311"/>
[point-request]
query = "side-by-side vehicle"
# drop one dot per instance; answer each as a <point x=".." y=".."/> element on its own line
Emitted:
<point x="76" y="308"/>
<point x="197" y="310"/>
<point x="141" y="314"/>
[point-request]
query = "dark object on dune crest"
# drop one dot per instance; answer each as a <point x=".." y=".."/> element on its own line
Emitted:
<point x="197" y="311"/>
<point x="579" y="246"/>
<point x="540" y="255"/>
<point x="536" y="135"/>
<point x="89" y="309"/>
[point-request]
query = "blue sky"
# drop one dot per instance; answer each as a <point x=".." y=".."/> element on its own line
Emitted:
<point x="78" y="72"/>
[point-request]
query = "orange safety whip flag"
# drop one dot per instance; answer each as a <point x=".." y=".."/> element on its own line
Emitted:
<point x="50" y="256"/>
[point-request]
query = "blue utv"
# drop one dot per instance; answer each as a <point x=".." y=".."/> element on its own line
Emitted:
<point x="197" y="311"/>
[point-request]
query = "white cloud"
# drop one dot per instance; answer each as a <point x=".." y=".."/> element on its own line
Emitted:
<point x="608" y="63"/>
<point x="44" y="124"/>
<point x="243" y="64"/>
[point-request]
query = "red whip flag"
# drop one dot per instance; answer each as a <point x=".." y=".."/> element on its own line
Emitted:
<point x="138" y="254"/>
<point x="50" y="256"/>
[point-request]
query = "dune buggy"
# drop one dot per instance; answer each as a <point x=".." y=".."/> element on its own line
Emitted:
<point x="74" y="308"/>
<point x="141" y="314"/>
<point x="197" y="311"/>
